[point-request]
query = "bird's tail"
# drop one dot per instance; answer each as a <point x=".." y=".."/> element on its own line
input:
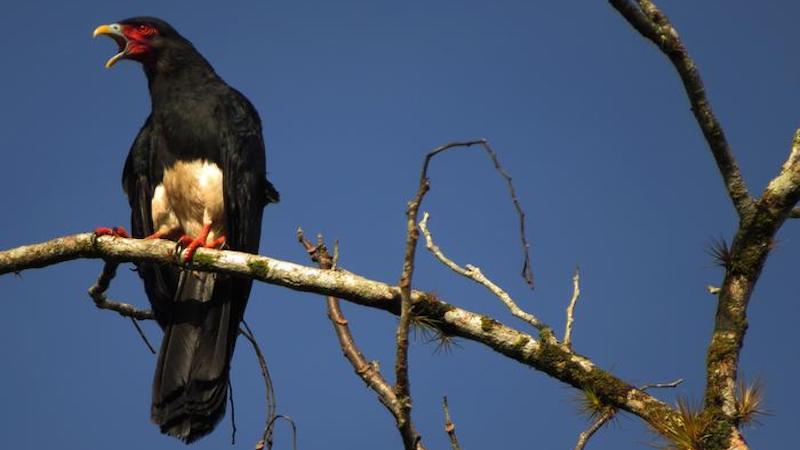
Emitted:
<point x="191" y="380"/>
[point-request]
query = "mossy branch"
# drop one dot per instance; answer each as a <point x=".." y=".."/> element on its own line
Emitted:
<point x="555" y="360"/>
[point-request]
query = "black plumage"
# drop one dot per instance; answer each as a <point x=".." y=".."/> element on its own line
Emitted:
<point x="198" y="119"/>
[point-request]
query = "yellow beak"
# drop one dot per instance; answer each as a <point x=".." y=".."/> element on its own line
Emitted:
<point x="113" y="31"/>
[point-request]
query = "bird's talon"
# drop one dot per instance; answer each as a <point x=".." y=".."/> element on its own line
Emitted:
<point x="114" y="232"/>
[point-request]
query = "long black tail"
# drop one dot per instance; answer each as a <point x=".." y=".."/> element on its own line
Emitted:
<point x="191" y="381"/>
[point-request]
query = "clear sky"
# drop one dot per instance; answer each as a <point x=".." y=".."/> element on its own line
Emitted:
<point x="589" y="118"/>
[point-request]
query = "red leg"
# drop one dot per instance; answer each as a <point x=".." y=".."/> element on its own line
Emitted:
<point x="193" y="244"/>
<point x="156" y="235"/>
<point x="216" y="243"/>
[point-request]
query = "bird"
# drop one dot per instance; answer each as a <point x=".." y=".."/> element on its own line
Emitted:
<point x="195" y="174"/>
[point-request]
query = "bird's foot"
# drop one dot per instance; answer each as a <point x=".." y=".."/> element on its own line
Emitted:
<point x="156" y="235"/>
<point x="115" y="232"/>
<point x="192" y="244"/>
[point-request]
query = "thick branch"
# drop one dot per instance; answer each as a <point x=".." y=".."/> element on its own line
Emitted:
<point x="648" y="20"/>
<point x="555" y="360"/>
<point x="751" y="246"/>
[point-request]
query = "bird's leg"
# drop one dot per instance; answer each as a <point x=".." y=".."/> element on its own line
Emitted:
<point x="115" y="231"/>
<point x="192" y="244"/>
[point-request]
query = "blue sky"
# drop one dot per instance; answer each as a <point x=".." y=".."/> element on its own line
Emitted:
<point x="589" y="119"/>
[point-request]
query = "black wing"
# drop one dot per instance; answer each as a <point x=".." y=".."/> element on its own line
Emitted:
<point x="140" y="177"/>
<point x="246" y="189"/>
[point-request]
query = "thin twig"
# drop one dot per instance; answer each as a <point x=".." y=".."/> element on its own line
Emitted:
<point x="142" y="335"/>
<point x="269" y="392"/>
<point x="527" y="270"/>
<point x="584" y="437"/>
<point x="233" y="413"/>
<point x="576" y="292"/>
<point x="672" y="384"/>
<point x="260" y="444"/>
<point x="648" y="20"/>
<point x="474" y="273"/>
<point x="449" y="426"/>
<point x="402" y="385"/>
<point x="366" y="370"/>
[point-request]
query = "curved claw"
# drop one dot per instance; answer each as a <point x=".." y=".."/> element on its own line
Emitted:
<point x="192" y="244"/>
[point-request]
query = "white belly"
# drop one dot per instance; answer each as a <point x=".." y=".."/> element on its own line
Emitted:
<point x="190" y="196"/>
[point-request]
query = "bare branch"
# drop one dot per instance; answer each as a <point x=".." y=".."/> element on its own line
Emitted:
<point x="554" y="360"/>
<point x="449" y="426"/>
<point x="269" y="391"/>
<point x="98" y="293"/>
<point x="576" y="292"/>
<point x="368" y="371"/>
<point x="474" y="273"/>
<point x="527" y="271"/>
<point x="233" y="412"/>
<point x="142" y="335"/>
<point x="671" y="384"/>
<point x="584" y="437"/>
<point x="648" y="20"/>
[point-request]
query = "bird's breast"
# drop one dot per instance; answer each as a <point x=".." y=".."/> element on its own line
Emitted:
<point x="190" y="195"/>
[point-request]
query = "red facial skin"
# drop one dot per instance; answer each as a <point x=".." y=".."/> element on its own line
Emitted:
<point x="138" y="40"/>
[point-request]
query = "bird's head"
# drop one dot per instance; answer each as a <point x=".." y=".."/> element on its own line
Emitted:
<point x="139" y="38"/>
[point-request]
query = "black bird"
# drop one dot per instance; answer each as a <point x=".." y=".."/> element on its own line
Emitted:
<point x="196" y="173"/>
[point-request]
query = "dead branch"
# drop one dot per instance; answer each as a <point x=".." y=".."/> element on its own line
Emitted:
<point x="98" y="293"/>
<point x="449" y="426"/>
<point x="368" y="371"/>
<point x="584" y="437"/>
<point x="474" y="273"/>
<point x="269" y="391"/>
<point x="576" y="292"/>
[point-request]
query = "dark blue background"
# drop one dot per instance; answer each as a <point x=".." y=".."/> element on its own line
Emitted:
<point x="589" y="118"/>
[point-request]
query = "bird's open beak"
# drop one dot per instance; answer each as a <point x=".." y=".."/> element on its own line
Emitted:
<point x="114" y="31"/>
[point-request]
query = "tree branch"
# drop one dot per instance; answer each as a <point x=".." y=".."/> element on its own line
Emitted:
<point x="449" y="426"/>
<point x="584" y="437"/>
<point x="555" y="360"/>
<point x="98" y="294"/>
<point x="760" y="219"/>
<point x="651" y="23"/>
<point x="367" y="371"/>
<point x="749" y="251"/>
<point x="475" y="274"/>
<point x="576" y="292"/>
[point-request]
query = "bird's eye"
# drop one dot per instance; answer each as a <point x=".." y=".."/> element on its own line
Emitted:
<point x="145" y="29"/>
